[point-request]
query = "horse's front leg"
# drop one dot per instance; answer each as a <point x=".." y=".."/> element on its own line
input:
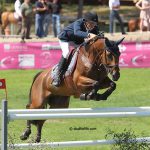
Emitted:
<point x="88" y="87"/>
<point x="107" y="83"/>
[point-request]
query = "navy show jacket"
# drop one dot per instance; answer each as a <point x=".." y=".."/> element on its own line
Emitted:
<point x="76" y="32"/>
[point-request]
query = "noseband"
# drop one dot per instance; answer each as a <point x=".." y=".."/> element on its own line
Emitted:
<point x="100" y="66"/>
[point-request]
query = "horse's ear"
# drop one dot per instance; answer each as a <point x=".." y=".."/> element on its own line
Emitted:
<point x="119" y="41"/>
<point x="108" y="43"/>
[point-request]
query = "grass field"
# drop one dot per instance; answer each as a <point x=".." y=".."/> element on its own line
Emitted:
<point x="133" y="89"/>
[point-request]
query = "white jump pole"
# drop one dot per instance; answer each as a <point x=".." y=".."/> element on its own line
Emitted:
<point x="40" y="116"/>
<point x="74" y="143"/>
<point x="79" y="110"/>
<point x="4" y="125"/>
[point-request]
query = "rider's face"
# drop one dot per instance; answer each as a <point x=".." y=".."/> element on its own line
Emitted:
<point x="90" y="24"/>
<point x="93" y="23"/>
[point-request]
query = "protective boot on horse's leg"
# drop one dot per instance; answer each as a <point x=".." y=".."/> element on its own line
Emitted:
<point x="107" y="83"/>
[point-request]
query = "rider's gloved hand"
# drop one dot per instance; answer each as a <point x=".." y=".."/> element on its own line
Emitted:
<point x="90" y="36"/>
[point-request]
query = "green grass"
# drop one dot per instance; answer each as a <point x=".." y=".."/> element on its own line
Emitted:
<point x="133" y="89"/>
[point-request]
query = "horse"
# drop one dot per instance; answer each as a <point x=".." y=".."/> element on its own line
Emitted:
<point x="95" y="60"/>
<point x="9" y="18"/>
<point x="134" y="25"/>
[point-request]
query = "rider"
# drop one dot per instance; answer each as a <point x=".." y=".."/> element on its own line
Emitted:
<point x="17" y="6"/>
<point x="76" y="33"/>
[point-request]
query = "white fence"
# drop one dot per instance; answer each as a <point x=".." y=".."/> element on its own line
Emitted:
<point x="38" y="114"/>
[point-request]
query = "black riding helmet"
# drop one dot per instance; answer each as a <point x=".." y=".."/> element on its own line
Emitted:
<point x="91" y="16"/>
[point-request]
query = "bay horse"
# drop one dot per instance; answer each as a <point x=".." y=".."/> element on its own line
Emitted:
<point x="134" y="25"/>
<point x="8" y="18"/>
<point x="95" y="60"/>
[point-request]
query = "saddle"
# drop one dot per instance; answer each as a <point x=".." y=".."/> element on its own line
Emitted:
<point x="72" y="61"/>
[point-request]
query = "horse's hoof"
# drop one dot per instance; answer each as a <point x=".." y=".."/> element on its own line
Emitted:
<point x="100" y="97"/>
<point x="91" y="96"/>
<point x="88" y="97"/>
<point x="104" y="97"/>
<point x="83" y="97"/>
<point x="38" y="139"/>
<point x="23" y="137"/>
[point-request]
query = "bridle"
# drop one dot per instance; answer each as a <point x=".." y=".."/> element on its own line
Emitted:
<point x="101" y="66"/>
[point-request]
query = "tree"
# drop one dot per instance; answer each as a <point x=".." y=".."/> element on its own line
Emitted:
<point x="80" y="8"/>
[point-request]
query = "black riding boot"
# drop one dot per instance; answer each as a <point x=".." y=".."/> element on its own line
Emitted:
<point x="62" y="67"/>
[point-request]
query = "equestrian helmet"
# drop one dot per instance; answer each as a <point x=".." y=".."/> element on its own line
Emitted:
<point x="91" y="16"/>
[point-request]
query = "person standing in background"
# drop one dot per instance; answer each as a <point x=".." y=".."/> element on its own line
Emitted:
<point x="48" y="17"/>
<point x="114" y="6"/>
<point x="144" y="6"/>
<point x="41" y="8"/>
<point x="27" y="11"/>
<point x="18" y="14"/>
<point x="56" y="9"/>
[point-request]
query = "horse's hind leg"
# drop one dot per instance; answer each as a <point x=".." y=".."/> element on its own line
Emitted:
<point x="27" y="132"/>
<point x="39" y="130"/>
<point x="37" y="123"/>
<point x="4" y="25"/>
<point x="54" y="102"/>
<point x="3" y="29"/>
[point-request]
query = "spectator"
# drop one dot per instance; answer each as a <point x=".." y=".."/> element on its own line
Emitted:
<point x="27" y="11"/>
<point x="47" y="18"/>
<point x="114" y="6"/>
<point x="39" y="18"/>
<point x="56" y="9"/>
<point x="18" y="14"/>
<point x="144" y="6"/>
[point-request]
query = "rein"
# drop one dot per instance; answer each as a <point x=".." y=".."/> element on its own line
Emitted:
<point x="94" y="63"/>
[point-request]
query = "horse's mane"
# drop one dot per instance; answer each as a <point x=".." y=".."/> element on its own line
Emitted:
<point x="91" y="41"/>
<point x="109" y="44"/>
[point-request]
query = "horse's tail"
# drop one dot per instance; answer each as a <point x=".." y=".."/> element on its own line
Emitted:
<point x="28" y="105"/>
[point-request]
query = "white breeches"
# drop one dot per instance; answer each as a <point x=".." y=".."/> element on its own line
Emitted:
<point x="65" y="47"/>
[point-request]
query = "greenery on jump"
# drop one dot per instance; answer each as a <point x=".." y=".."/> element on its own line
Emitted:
<point x="133" y="89"/>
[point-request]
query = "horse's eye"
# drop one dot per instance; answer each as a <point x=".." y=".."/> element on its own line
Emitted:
<point x="109" y="55"/>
